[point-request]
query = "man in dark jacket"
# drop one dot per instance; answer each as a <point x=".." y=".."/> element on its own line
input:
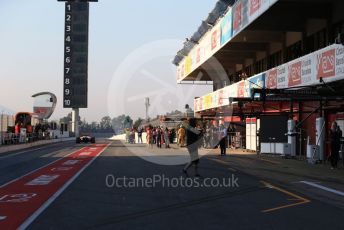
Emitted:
<point x="192" y="144"/>
<point x="336" y="135"/>
<point x="223" y="139"/>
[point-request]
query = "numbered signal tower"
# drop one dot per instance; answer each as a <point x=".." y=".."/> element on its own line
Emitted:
<point x="75" y="79"/>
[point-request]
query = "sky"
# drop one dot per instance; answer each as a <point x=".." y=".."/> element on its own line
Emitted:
<point x="131" y="46"/>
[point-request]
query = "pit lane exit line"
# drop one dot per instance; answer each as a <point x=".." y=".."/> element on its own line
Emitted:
<point x="323" y="188"/>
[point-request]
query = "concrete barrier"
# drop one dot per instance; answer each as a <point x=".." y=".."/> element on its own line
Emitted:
<point x="122" y="137"/>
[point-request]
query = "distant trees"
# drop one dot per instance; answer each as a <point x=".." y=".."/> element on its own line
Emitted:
<point x="138" y="123"/>
<point x="106" y="124"/>
<point x="118" y="123"/>
<point x="128" y="122"/>
<point x="67" y="119"/>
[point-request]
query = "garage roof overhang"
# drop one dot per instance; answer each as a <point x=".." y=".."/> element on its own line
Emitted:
<point x="283" y="16"/>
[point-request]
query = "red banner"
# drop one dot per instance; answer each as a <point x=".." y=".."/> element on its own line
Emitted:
<point x="294" y="75"/>
<point x="271" y="81"/>
<point x="237" y="17"/>
<point x="326" y="64"/>
<point x="214" y="40"/>
<point x="241" y="89"/>
<point x="254" y="6"/>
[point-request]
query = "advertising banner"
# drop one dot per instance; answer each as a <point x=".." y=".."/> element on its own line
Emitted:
<point x="282" y="76"/>
<point x="241" y="89"/>
<point x="339" y="62"/>
<point x="178" y="74"/>
<point x="216" y="39"/>
<point x="206" y="43"/>
<point x="271" y="79"/>
<point x="226" y="27"/>
<point x="214" y="99"/>
<point x="330" y="63"/>
<point x="207" y="101"/>
<point x="201" y="107"/>
<point x="192" y="56"/>
<point x="326" y="64"/>
<point x="255" y="82"/>
<point x="198" y="55"/>
<point x="301" y="72"/>
<point x="308" y="70"/>
<point x="220" y="97"/>
<point x="254" y="9"/>
<point x="182" y="71"/>
<point x="232" y="90"/>
<point x="294" y="74"/>
<point x="237" y="17"/>
<point x="196" y="105"/>
<point x="187" y="65"/>
<point x="223" y="95"/>
<point x="240" y="15"/>
<point x="254" y="6"/>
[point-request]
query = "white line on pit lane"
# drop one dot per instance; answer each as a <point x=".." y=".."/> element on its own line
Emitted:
<point x="16" y="154"/>
<point x="29" y="150"/>
<point x="58" y="193"/>
<point x="323" y="188"/>
<point x="37" y="169"/>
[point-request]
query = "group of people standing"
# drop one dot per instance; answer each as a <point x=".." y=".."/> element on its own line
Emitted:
<point x="193" y="136"/>
<point x="159" y="136"/>
<point x="211" y="136"/>
<point x="130" y="135"/>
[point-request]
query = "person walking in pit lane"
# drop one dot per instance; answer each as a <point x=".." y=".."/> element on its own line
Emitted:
<point x="192" y="144"/>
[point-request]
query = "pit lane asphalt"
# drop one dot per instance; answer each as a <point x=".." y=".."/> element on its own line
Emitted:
<point x="18" y="163"/>
<point x="89" y="204"/>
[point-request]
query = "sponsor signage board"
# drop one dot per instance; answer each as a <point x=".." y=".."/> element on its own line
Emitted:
<point x="240" y="15"/>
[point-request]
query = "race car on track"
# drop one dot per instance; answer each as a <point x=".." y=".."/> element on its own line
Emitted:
<point x="85" y="138"/>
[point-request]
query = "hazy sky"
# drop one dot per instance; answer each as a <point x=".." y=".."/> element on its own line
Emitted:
<point x="131" y="47"/>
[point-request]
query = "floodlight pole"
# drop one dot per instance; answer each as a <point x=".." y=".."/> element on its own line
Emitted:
<point x="147" y="104"/>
